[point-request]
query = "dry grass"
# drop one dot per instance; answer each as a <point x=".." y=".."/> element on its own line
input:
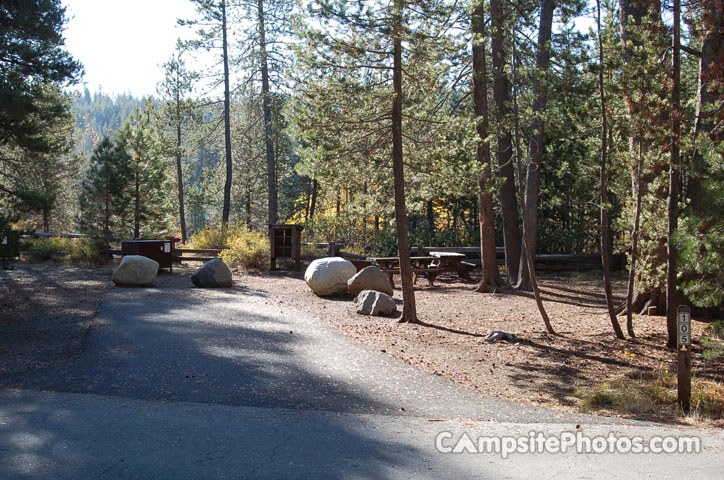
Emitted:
<point x="655" y="395"/>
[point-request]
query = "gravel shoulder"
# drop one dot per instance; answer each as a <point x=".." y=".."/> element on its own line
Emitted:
<point x="46" y="312"/>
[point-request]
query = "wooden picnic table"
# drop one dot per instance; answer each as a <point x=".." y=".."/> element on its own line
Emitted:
<point x="453" y="262"/>
<point x="420" y="266"/>
<point x="428" y="266"/>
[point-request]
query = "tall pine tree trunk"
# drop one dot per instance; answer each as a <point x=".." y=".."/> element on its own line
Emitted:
<point x="535" y="153"/>
<point x="535" y="147"/>
<point x="633" y="15"/>
<point x="712" y="53"/>
<point x="137" y="203"/>
<point x="512" y="240"/>
<point x="491" y="277"/>
<point x="673" y="201"/>
<point x="634" y="246"/>
<point x="409" y="311"/>
<point x="227" y="120"/>
<point x="313" y="204"/>
<point x="266" y="102"/>
<point x="180" y="178"/>
<point x="605" y="253"/>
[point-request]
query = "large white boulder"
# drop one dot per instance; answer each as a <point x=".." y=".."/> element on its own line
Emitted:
<point x="370" y="302"/>
<point x="135" y="271"/>
<point x="329" y="276"/>
<point x="369" y="278"/>
<point x="211" y="274"/>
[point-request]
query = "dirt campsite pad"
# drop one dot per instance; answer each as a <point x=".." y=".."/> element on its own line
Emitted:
<point x="536" y="368"/>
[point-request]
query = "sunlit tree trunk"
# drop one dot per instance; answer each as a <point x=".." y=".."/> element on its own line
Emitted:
<point x="227" y="120"/>
<point x="605" y="253"/>
<point x="491" y="277"/>
<point x="674" y="179"/>
<point x="409" y="311"/>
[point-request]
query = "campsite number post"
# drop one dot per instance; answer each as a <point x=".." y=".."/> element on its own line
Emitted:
<point x="683" y="315"/>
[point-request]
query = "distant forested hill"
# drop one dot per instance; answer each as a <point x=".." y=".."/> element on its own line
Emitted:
<point x="103" y="113"/>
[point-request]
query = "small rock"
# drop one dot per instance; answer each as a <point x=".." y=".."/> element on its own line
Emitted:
<point x="369" y="278"/>
<point x="135" y="271"/>
<point x="212" y="274"/>
<point x="370" y="302"/>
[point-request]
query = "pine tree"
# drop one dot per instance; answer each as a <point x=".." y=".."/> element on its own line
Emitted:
<point x="214" y="32"/>
<point x="361" y="112"/>
<point x="150" y="183"/>
<point x="179" y="114"/>
<point x="104" y="199"/>
<point x="32" y="55"/>
<point x="491" y="277"/>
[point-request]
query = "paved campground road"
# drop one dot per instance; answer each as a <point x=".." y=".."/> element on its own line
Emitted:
<point x="210" y="384"/>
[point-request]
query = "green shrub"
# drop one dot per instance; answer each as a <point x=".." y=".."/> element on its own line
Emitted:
<point x="75" y="251"/>
<point x="246" y="249"/>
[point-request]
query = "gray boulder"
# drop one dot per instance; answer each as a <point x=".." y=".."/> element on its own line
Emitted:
<point x="369" y="278"/>
<point x="370" y="302"/>
<point x="135" y="271"/>
<point x="329" y="276"/>
<point x="212" y="274"/>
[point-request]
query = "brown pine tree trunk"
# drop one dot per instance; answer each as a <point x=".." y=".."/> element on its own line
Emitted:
<point x="512" y="240"/>
<point x="409" y="311"/>
<point x="226" y="210"/>
<point x="180" y="180"/>
<point x="673" y="201"/>
<point x="633" y="14"/>
<point x="491" y="277"/>
<point x="708" y="101"/>
<point x="605" y="253"/>
<point x="270" y="159"/>
<point x="248" y="207"/>
<point x="634" y="247"/>
<point x="314" y="199"/>
<point x="535" y="147"/>
<point x="137" y="204"/>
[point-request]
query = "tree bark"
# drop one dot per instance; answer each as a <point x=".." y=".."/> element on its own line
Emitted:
<point x="491" y="278"/>
<point x="634" y="13"/>
<point x="535" y="147"/>
<point x="501" y="97"/>
<point x="248" y="207"/>
<point x="180" y="178"/>
<point x="605" y="253"/>
<point x="270" y="159"/>
<point x="634" y="247"/>
<point x="712" y="53"/>
<point x="137" y="203"/>
<point x="226" y="210"/>
<point x="409" y="311"/>
<point x="314" y="199"/>
<point x="673" y="201"/>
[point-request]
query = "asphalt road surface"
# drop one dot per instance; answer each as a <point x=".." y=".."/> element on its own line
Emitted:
<point x="208" y="384"/>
